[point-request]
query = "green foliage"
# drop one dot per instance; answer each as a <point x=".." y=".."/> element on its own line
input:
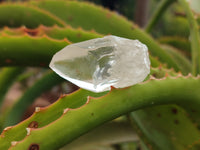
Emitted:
<point x="181" y="43"/>
<point x="26" y="52"/>
<point x="163" y="110"/>
<point x="103" y="21"/>
<point x="166" y="25"/>
<point x="16" y="15"/>
<point x="152" y="120"/>
<point x="114" y="105"/>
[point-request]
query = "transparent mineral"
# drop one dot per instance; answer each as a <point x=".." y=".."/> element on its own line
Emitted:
<point x="99" y="63"/>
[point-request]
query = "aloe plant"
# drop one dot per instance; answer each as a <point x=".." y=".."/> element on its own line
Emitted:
<point x="163" y="110"/>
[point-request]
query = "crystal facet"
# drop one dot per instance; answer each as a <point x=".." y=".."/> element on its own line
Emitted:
<point x="99" y="63"/>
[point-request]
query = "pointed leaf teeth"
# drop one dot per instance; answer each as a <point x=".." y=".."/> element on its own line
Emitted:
<point x="45" y="36"/>
<point x="80" y="28"/>
<point x="5" y="130"/>
<point x="67" y="41"/>
<point x="42" y="27"/>
<point x="88" y="99"/>
<point x="166" y="74"/>
<point x="93" y="31"/>
<point x="62" y="96"/>
<point x="54" y="26"/>
<point x="152" y="77"/>
<point x="180" y="74"/>
<point x="28" y="131"/>
<point x="8" y="128"/>
<point x="37" y="109"/>
<point x="70" y="27"/>
<point x="13" y="143"/>
<point x="189" y="75"/>
<point x="160" y="67"/>
<point x="66" y="110"/>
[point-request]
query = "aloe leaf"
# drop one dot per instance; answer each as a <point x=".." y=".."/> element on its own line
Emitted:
<point x="55" y="32"/>
<point x="161" y="128"/>
<point x="180" y="59"/>
<point x="43" y="116"/>
<point x="179" y="43"/>
<point x="28" y="51"/>
<point x="45" y="83"/>
<point x="114" y="104"/>
<point x="161" y="8"/>
<point x="20" y="14"/>
<point x="7" y="77"/>
<point x="38" y="50"/>
<point x="194" y="37"/>
<point x="89" y="17"/>
<point x="108" y="134"/>
<point x="73" y="35"/>
<point x="161" y="72"/>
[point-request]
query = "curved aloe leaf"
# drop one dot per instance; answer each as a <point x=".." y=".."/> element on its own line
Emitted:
<point x="114" y="104"/>
<point x="38" y="50"/>
<point x="55" y="32"/>
<point x="109" y="134"/>
<point x="194" y="37"/>
<point x="89" y="17"/>
<point x="43" y="116"/>
<point x="162" y="6"/>
<point x="180" y="59"/>
<point x="161" y="128"/>
<point x="7" y="77"/>
<point x="20" y="14"/>
<point x="45" y="83"/>
<point x="178" y="42"/>
<point x="28" y="51"/>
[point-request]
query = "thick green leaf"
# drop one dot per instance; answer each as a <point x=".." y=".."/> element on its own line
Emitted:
<point x="161" y="8"/>
<point x="88" y="16"/>
<point x="96" y="111"/>
<point x="28" y="51"/>
<point x="16" y="15"/>
<point x="181" y="60"/>
<point x="178" y="42"/>
<point x="45" y="83"/>
<point x="166" y="128"/>
<point x="43" y="117"/>
<point x="55" y="32"/>
<point x="194" y="37"/>
<point x="7" y="77"/>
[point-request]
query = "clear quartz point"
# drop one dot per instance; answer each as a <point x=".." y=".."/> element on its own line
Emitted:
<point x="100" y="63"/>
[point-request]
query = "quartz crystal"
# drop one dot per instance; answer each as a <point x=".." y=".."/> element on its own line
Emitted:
<point x="100" y="63"/>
